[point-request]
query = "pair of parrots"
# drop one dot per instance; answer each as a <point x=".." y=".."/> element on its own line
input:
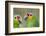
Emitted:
<point x="31" y="21"/>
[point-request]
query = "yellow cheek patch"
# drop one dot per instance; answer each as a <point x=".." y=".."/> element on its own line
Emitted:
<point x="30" y="17"/>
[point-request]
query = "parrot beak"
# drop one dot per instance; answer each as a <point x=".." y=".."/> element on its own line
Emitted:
<point x="25" y="17"/>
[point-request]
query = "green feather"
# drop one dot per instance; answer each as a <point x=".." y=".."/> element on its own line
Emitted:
<point x="16" y="23"/>
<point x="33" y="23"/>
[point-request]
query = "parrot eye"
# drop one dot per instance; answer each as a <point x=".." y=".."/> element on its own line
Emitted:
<point x="15" y="17"/>
<point x="27" y="14"/>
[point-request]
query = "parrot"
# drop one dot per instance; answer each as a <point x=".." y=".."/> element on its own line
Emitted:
<point x="16" y="21"/>
<point x="31" y="21"/>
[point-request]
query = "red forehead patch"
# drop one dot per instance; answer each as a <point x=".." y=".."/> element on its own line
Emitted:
<point x="18" y="17"/>
<point x="29" y="14"/>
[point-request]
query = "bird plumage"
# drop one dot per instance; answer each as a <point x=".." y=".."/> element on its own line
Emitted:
<point x="31" y="21"/>
<point x="16" y="21"/>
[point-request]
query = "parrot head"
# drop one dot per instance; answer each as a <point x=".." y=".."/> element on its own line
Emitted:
<point x="28" y="16"/>
<point x="18" y="18"/>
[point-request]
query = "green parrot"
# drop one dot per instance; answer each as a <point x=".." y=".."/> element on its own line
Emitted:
<point x="31" y="21"/>
<point x="16" y="21"/>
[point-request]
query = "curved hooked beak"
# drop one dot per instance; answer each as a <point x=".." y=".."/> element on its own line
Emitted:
<point x="25" y="18"/>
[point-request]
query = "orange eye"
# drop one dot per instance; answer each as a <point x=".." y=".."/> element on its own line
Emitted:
<point x="27" y="14"/>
